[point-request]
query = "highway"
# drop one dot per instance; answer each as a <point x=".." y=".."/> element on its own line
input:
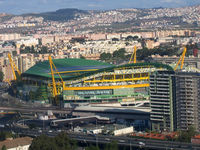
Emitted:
<point x="122" y="140"/>
<point x="38" y="110"/>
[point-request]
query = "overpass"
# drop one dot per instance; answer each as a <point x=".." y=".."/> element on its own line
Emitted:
<point x="134" y="113"/>
<point x="38" y="109"/>
<point x="79" y="119"/>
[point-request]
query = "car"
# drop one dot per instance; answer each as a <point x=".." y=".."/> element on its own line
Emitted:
<point x="142" y="143"/>
<point x="121" y="141"/>
<point x="107" y="139"/>
<point x="50" y="131"/>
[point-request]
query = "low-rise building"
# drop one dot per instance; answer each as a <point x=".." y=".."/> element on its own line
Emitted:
<point x="17" y="144"/>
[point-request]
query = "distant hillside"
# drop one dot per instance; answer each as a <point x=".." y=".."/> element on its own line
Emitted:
<point x="5" y="17"/>
<point x="60" y="15"/>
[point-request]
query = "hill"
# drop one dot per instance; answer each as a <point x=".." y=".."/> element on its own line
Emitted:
<point x="60" y="15"/>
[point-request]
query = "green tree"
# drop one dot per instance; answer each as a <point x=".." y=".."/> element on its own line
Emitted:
<point x="4" y="148"/>
<point x="59" y="142"/>
<point x="105" y="56"/>
<point x="43" y="142"/>
<point x="32" y="50"/>
<point x="119" y="54"/>
<point x="115" y="39"/>
<point x="64" y="143"/>
<point x="14" y="53"/>
<point x="32" y="126"/>
<point x="44" y="50"/>
<point x="82" y="57"/>
<point x="1" y="76"/>
<point x="112" y="146"/>
<point x="131" y="38"/>
<point x="185" y="136"/>
<point x="14" y="44"/>
<point x="5" y="135"/>
<point x="91" y="147"/>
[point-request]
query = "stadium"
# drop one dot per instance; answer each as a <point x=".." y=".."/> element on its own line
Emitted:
<point x="81" y="80"/>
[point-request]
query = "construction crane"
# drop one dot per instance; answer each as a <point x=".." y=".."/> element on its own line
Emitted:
<point x="133" y="56"/>
<point x="13" y="67"/>
<point x="181" y="60"/>
<point x="54" y="83"/>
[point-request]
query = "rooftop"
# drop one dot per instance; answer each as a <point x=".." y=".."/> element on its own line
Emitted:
<point x="16" y="142"/>
<point x="68" y="66"/>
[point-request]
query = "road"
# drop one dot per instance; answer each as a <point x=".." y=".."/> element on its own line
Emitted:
<point x="40" y="109"/>
<point x="122" y="140"/>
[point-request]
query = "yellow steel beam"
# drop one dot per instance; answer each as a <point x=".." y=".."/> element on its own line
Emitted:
<point x="13" y="67"/>
<point x="57" y="72"/>
<point x="117" y="80"/>
<point x="53" y="79"/>
<point x="181" y="59"/>
<point x="134" y="60"/>
<point x="106" y="87"/>
<point x="133" y="56"/>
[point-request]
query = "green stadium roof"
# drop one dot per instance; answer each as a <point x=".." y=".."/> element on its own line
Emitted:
<point x="73" y="66"/>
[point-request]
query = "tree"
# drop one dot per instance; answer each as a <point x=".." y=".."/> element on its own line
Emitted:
<point x="5" y="135"/>
<point x="92" y="148"/>
<point x="4" y="148"/>
<point x="22" y="46"/>
<point x="14" y="44"/>
<point x="185" y="136"/>
<point x="82" y="57"/>
<point x="32" y="49"/>
<point x="43" y="142"/>
<point x="115" y="39"/>
<point x="105" y="56"/>
<point x="112" y="146"/>
<point x="32" y="126"/>
<point x="64" y="142"/>
<point x="119" y="54"/>
<point x="14" y="53"/>
<point x="59" y="142"/>
<point x="1" y="76"/>
<point x="44" y="50"/>
<point x="129" y="38"/>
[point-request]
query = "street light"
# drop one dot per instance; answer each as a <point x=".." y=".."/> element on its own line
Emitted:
<point x="96" y="135"/>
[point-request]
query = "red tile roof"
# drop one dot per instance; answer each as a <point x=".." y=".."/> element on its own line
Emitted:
<point x="16" y="142"/>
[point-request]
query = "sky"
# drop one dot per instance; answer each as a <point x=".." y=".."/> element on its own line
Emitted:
<point x="36" y="6"/>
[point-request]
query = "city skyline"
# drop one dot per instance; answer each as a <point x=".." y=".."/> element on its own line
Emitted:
<point x="23" y="6"/>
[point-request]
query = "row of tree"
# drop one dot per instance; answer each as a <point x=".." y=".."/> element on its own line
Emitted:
<point x="59" y="142"/>
<point x="63" y="142"/>
<point x="121" y="54"/>
<point x="1" y="76"/>
<point x="31" y="49"/>
<point x="117" y="55"/>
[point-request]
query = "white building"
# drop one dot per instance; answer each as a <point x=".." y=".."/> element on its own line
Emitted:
<point x="17" y="144"/>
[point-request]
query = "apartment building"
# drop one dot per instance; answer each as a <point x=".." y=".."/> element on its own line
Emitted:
<point x="175" y="100"/>
<point x="162" y="101"/>
<point x="187" y="100"/>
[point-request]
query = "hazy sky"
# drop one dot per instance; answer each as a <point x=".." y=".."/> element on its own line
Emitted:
<point x="27" y="6"/>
